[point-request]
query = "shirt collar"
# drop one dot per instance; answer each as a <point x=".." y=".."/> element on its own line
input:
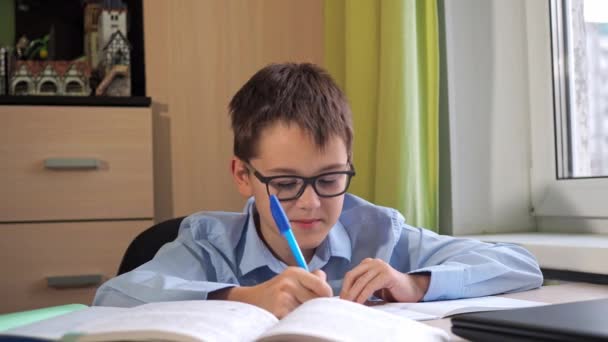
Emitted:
<point x="256" y="254"/>
<point x="336" y="244"/>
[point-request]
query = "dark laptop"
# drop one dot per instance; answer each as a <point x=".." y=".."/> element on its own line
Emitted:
<point x="576" y="321"/>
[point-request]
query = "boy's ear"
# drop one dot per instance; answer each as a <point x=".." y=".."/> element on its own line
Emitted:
<point x="240" y="174"/>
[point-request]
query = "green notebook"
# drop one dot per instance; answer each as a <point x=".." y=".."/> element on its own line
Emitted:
<point x="17" y="319"/>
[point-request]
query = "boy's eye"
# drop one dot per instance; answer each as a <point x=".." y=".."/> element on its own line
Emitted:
<point x="329" y="181"/>
<point x="285" y="184"/>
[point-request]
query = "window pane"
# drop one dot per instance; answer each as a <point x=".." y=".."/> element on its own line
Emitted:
<point x="580" y="56"/>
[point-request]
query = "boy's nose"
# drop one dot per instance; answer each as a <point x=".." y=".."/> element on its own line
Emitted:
<point x="309" y="198"/>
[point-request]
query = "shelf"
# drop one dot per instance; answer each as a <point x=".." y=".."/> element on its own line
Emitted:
<point x="555" y="251"/>
<point x="102" y="101"/>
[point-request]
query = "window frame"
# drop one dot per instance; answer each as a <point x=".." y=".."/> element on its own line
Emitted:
<point x="576" y="203"/>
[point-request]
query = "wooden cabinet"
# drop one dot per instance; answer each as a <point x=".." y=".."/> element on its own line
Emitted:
<point x="76" y="188"/>
<point x="198" y="54"/>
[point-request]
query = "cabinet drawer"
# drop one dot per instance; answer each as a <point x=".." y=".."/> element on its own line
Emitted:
<point x="71" y="163"/>
<point x="32" y="253"/>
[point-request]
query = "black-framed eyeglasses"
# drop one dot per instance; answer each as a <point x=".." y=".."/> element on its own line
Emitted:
<point x="290" y="187"/>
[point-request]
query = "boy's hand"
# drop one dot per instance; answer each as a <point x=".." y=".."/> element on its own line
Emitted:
<point x="374" y="276"/>
<point x="285" y="292"/>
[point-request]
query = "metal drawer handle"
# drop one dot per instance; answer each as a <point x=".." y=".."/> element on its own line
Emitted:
<point x="71" y="163"/>
<point x="74" y="281"/>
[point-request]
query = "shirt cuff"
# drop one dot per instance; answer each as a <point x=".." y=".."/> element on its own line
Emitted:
<point x="447" y="282"/>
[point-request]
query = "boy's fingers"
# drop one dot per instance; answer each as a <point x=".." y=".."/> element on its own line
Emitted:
<point x="328" y="292"/>
<point x="371" y="286"/>
<point x="303" y="295"/>
<point x="350" y="279"/>
<point x="286" y="306"/>
<point x="315" y="284"/>
<point x="351" y="276"/>
<point x="320" y="274"/>
<point x="361" y="283"/>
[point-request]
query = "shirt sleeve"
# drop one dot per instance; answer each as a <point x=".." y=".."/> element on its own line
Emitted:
<point x="181" y="270"/>
<point x="463" y="268"/>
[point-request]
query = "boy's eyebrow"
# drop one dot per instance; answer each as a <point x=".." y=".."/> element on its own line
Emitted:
<point x="292" y="171"/>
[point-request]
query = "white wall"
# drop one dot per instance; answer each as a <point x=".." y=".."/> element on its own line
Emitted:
<point x="489" y="124"/>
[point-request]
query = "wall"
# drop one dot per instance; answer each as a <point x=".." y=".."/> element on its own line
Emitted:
<point x="198" y="53"/>
<point x="489" y="123"/>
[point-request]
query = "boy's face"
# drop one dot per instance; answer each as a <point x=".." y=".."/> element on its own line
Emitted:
<point x="288" y="150"/>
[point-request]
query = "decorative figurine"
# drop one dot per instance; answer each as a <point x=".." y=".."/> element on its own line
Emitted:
<point x="21" y="46"/>
<point x="92" y="10"/>
<point x="3" y="71"/>
<point x="105" y="69"/>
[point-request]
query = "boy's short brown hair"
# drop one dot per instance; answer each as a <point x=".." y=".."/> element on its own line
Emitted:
<point x="303" y="94"/>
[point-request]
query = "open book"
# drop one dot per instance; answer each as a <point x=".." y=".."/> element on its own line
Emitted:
<point x="440" y="309"/>
<point x="321" y="319"/>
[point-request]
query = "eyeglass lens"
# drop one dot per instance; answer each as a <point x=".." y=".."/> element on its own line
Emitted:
<point x="326" y="185"/>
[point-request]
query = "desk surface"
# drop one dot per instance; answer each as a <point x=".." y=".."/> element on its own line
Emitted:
<point x="569" y="292"/>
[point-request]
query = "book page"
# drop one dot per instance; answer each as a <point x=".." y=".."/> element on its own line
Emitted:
<point x="441" y="309"/>
<point x="335" y="319"/>
<point x="55" y="327"/>
<point x="401" y="309"/>
<point x="204" y="320"/>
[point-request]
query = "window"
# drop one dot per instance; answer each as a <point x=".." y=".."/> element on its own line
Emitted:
<point x="48" y="88"/>
<point x="579" y="36"/>
<point x="73" y="88"/>
<point x="568" y="80"/>
<point x="22" y="88"/>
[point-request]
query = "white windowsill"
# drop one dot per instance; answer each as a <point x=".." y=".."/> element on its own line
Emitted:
<point x="568" y="252"/>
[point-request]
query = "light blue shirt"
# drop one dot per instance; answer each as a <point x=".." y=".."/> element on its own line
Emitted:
<point x="216" y="250"/>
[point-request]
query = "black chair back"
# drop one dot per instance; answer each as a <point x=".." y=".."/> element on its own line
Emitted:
<point x="145" y="245"/>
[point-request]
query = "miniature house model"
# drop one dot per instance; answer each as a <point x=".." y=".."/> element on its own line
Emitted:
<point x="107" y="52"/>
<point x="50" y="78"/>
<point x="112" y="18"/>
<point x="114" y="50"/>
<point x="114" y="64"/>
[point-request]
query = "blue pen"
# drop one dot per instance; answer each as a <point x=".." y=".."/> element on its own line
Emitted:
<point x="283" y="223"/>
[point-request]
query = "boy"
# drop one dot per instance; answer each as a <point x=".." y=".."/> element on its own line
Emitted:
<point x="293" y="138"/>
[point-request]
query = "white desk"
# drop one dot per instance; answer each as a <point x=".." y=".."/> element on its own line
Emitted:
<point x="569" y="292"/>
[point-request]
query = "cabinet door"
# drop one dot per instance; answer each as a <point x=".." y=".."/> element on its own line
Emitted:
<point x="75" y="163"/>
<point x="60" y="263"/>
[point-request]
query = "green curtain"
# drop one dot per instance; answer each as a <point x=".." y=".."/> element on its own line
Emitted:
<point x="385" y="55"/>
<point x="7" y="23"/>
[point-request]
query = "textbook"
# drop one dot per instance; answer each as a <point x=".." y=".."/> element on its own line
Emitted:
<point x="440" y="309"/>
<point x="320" y="319"/>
